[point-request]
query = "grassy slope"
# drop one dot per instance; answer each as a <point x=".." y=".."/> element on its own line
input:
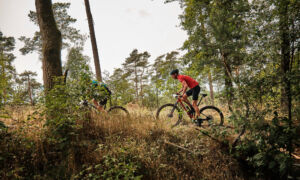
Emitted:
<point x="106" y="147"/>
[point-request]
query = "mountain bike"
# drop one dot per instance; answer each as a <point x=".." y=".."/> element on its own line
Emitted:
<point x="173" y="114"/>
<point x="117" y="111"/>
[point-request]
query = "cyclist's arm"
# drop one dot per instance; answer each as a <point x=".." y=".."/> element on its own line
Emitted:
<point x="184" y="87"/>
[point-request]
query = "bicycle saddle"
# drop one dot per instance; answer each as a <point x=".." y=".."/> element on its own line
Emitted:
<point x="204" y="95"/>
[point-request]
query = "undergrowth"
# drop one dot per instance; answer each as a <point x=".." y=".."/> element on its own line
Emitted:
<point x="106" y="148"/>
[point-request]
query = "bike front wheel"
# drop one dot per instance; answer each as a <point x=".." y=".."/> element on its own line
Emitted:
<point x="169" y="114"/>
<point x="118" y="111"/>
<point x="211" y="115"/>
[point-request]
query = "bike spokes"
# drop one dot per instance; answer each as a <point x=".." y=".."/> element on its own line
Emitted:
<point x="210" y="117"/>
<point x="118" y="111"/>
<point x="169" y="115"/>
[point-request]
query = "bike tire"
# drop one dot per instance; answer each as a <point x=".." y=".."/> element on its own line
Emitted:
<point x="218" y="113"/>
<point x="111" y="109"/>
<point x="176" y="122"/>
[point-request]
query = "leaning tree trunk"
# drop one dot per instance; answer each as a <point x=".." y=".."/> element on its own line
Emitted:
<point x="93" y="40"/>
<point x="51" y="41"/>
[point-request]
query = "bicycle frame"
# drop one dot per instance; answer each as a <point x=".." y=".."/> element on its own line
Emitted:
<point x="179" y="101"/>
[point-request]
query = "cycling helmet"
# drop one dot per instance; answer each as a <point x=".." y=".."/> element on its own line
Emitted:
<point x="175" y="71"/>
<point x="95" y="83"/>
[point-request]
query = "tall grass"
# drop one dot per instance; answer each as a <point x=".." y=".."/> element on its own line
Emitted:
<point x="137" y="146"/>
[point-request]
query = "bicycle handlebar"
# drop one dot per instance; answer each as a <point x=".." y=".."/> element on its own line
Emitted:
<point x="177" y="95"/>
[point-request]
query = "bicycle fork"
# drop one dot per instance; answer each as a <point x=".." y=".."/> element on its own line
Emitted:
<point x="172" y="111"/>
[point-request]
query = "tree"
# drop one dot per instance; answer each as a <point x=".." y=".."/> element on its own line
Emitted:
<point x="122" y="91"/>
<point x="76" y="63"/>
<point x="135" y="67"/>
<point x="51" y="42"/>
<point x="71" y="37"/>
<point x="161" y="68"/>
<point x="93" y="40"/>
<point x="285" y="63"/>
<point x="217" y="38"/>
<point x="156" y="77"/>
<point x="27" y="78"/>
<point x="276" y="29"/>
<point x="7" y="70"/>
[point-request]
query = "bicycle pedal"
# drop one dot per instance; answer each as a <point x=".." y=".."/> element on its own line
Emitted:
<point x="199" y="122"/>
<point x="191" y="111"/>
<point x="170" y="115"/>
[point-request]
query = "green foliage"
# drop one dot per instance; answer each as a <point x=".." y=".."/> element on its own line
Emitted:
<point x="121" y="167"/>
<point x="144" y="83"/>
<point x="61" y="114"/>
<point x="3" y="129"/>
<point x="77" y="63"/>
<point x="165" y="86"/>
<point x="71" y="36"/>
<point x="136" y="69"/>
<point x="7" y="70"/>
<point x="266" y="149"/>
<point x="122" y="90"/>
<point x="27" y="88"/>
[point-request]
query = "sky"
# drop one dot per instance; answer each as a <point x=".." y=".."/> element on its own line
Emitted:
<point x="120" y="26"/>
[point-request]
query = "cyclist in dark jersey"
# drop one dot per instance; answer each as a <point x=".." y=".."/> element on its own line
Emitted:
<point x="194" y="90"/>
<point x="100" y="94"/>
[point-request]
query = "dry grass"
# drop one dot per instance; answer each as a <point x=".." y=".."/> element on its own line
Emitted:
<point x="141" y="138"/>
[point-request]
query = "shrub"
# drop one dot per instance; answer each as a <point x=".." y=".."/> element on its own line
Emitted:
<point x="267" y="148"/>
<point x="124" y="166"/>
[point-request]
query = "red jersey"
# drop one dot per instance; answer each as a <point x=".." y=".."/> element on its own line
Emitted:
<point x="190" y="81"/>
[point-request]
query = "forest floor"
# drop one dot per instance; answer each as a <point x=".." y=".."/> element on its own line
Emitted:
<point x="139" y="146"/>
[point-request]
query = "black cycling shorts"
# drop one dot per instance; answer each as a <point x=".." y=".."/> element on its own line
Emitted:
<point x="194" y="91"/>
<point x="103" y="102"/>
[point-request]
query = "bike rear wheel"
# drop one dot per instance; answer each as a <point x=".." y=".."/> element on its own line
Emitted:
<point x="169" y="114"/>
<point x="118" y="111"/>
<point x="211" y="115"/>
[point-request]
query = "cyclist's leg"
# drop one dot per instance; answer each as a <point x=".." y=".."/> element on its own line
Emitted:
<point x="103" y="102"/>
<point x="98" y="106"/>
<point x="186" y="95"/>
<point x="196" y="91"/>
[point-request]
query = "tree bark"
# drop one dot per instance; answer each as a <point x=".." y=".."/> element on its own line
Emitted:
<point x="228" y="88"/>
<point x="156" y="88"/>
<point x="211" y="88"/>
<point x="51" y="43"/>
<point x="29" y="90"/>
<point x="228" y="81"/>
<point x="93" y="40"/>
<point x="136" y="83"/>
<point x="286" y="101"/>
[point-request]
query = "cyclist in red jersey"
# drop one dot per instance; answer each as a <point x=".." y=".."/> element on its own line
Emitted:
<point x="194" y="89"/>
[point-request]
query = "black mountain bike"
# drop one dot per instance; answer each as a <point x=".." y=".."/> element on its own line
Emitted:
<point x="173" y="114"/>
<point x="112" y="111"/>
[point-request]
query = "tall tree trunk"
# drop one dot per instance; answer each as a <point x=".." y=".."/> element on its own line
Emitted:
<point x="285" y="57"/>
<point x="211" y="88"/>
<point x="29" y="90"/>
<point x="93" y="40"/>
<point x="51" y="40"/>
<point x="228" y="81"/>
<point x="228" y="89"/>
<point x="142" y="86"/>
<point x="156" y="88"/>
<point x="136" y="83"/>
